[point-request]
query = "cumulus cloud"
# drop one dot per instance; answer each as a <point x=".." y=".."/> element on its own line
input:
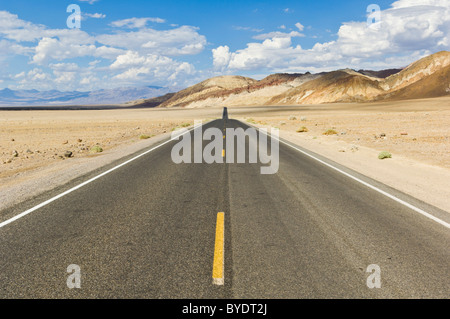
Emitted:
<point x="408" y="30"/>
<point x="221" y="56"/>
<point x="55" y="49"/>
<point x="15" y="29"/>
<point x="134" y="66"/>
<point x="132" y="43"/>
<point x="184" y="40"/>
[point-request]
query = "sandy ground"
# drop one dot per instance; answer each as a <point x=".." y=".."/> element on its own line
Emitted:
<point x="415" y="132"/>
<point x="41" y="138"/>
<point x="419" y="130"/>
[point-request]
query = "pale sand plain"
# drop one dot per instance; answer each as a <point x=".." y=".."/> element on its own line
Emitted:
<point x="415" y="132"/>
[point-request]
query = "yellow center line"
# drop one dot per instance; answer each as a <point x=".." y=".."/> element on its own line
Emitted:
<point x="218" y="264"/>
<point x="223" y="153"/>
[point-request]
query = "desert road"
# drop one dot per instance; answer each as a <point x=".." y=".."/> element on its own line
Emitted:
<point x="148" y="230"/>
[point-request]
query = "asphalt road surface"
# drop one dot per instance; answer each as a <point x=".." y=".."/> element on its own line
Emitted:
<point x="147" y="230"/>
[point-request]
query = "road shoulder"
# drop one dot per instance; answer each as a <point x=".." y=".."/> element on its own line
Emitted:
<point x="39" y="181"/>
<point x="425" y="182"/>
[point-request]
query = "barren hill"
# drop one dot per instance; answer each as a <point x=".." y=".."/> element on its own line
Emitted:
<point x="434" y="85"/>
<point x="209" y="88"/>
<point x="337" y="86"/>
<point x="427" y="77"/>
<point x="417" y="71"/>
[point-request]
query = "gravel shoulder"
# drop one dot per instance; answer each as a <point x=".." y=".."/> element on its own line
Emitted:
<point x="418" y="141"/>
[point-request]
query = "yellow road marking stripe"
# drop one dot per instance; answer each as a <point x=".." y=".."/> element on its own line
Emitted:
<point x="218" y="264"/>
<point x="223" y="153"/>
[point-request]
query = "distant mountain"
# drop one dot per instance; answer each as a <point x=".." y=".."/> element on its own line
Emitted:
<point x="121" y="95"/>
<point x="427" y="77"/>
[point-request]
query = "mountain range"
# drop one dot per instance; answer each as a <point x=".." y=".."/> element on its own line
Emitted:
<point x="10" y="97"/>
<point x="425" y="78"/>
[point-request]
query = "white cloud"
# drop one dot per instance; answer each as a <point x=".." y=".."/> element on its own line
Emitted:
<point x="11" y="48"/>
<point x="221" y="56"/>
<point x="184" y="40"/>
<point x="408" y="30"/>
<point x="133" y="23"/>
<point x="86" y="81"/>
<point x="15" y="29"/>
<point x="19" y="75"/>
<point x="248" y="29"/>
<point x="278" y="34"/>
<point x="89" y="1"/>
<point x="64" y="77"/>
<point x="64" y="67"/>
<point x="53" y="50"/>
<point x="299" y="26"/>
<point x="134" y="66"/>
<point x="37" y="75"/>
<point x="94" y="15"/>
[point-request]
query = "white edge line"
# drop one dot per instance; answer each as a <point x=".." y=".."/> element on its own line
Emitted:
<point x="12" y="219"/>
<point x="416" y="209"/>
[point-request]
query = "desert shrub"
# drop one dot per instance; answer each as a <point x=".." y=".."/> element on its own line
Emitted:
<point x="302" y="129"/>
<point x="329" y="132"/>
<point x="96" y="149"/>
<point x="144" y="137"/>
<point x="384" y="154"/>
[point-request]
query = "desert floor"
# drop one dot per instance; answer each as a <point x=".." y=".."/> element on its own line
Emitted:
<point x="417" y="129"/>
<point x="33" y="143"/>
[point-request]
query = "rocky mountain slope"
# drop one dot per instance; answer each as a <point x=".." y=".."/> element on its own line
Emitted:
<point x="427" y="77"/>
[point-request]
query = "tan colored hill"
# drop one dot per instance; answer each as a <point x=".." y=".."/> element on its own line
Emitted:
<point x="427" y="77"/>
<point x="434" y="85"/>
<point x="236" y="90"/>
<point x="417" y="71"/>
<point x="337" y="86"/>
<point x="209" y="88"/>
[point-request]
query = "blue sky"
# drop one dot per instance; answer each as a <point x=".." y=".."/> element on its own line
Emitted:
<point x="179" y="43"/>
